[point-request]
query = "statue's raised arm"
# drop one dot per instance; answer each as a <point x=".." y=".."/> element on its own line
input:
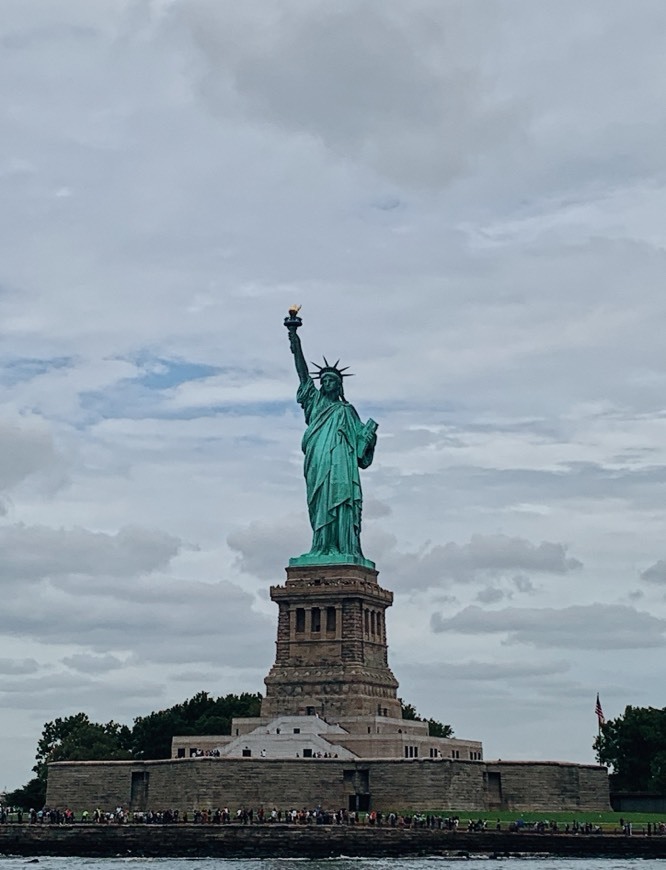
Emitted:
<point x="292" y="323"/>
<point x="336" y="444"/>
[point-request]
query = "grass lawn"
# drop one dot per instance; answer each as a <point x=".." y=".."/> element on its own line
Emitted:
<point x="607" y="821"/>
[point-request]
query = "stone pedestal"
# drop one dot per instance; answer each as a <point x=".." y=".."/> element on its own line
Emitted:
<point x="331" y="651"/>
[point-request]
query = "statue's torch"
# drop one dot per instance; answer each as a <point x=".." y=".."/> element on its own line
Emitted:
<point x="293" y="321"/>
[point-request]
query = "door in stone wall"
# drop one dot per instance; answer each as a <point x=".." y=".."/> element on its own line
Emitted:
<point x="359" y="802"/>
<point x="494" y="790"/>
<point x="358" y="780"/>
<point x="139" y="790"/>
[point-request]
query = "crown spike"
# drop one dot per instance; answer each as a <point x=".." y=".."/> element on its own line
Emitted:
<point x="327" y="367"/>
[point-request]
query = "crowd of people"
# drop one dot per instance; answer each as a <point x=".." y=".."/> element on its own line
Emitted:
<point x="317" y="816"/>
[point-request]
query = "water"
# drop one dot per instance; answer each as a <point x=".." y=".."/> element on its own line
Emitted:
<point x="330" y="864"/>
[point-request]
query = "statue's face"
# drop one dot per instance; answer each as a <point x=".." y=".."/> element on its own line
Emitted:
<point x="330" y="386"/>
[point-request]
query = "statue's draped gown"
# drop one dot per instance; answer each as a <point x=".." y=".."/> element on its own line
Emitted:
<point x="335" y="447"/>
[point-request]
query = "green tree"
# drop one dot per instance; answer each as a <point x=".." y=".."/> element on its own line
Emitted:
<point x="436" y="729"/>
<point x="634" y="747"/>
<point x="76" y="738"/>
<point x="201" y="714"/>
<point x="409" y="711"/>
<point x="31" y="796"/>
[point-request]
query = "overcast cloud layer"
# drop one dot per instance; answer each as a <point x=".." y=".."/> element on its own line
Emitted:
<point x="468" y="199"/>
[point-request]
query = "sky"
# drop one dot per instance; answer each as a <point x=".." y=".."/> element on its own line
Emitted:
<point x="468" y="200"/>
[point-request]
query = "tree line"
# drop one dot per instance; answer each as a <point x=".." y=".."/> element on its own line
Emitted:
<point x="77" y="738"/>
<point x="633" y="746"/>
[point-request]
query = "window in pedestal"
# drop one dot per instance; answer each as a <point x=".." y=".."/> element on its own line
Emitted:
<point x="315" y="620"/>
<point x="300" y="619"/>
<point x="330" y="619"/>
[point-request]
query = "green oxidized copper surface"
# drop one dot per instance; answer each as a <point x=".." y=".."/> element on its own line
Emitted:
<point x="336" y="444"/>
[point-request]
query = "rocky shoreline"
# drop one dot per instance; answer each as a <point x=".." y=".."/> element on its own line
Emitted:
<point x="316" y="841"/>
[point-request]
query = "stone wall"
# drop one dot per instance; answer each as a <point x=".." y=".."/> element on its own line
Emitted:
<point x="310" y="841"/>
<point x="424" y="784"/>
<point x="550" y="785"/>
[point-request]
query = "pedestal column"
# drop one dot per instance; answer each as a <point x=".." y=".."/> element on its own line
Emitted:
<point x="331" y="652"/>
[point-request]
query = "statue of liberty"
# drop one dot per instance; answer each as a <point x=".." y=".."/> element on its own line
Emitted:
<point x="336" y="444"/>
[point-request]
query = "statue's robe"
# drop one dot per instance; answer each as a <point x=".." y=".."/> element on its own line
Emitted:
<point x="335" y="445"/>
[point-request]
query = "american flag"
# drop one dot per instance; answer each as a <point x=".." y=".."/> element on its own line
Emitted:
<point x="599" y="712"/>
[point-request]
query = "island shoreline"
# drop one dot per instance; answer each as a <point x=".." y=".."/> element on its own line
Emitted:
<point x="311" y="841"/>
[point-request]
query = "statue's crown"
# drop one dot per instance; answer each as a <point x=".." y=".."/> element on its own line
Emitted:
<point x="327" y="368"/>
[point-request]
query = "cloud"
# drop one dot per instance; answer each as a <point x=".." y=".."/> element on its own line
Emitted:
<point x="18" y="667"/>
<point x="31" y="552"/>
<point x="26" y="448"/>
<point x="523" y="584"/>
<point x="264" y="548"/>
<point x="487" y="671"/>
<point x="374" y="509"/>
<point x="490" y="595"/>
<point x="60" y="694"/>
<point x="503" y="553"/>
<point x="86" y="663"/>
<point x="398" y="89"/>
<point x="483" y="557"/>
<point x="582" y="627"/>
<point x="655" y="573"/>
<point x="143" y="619"/>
